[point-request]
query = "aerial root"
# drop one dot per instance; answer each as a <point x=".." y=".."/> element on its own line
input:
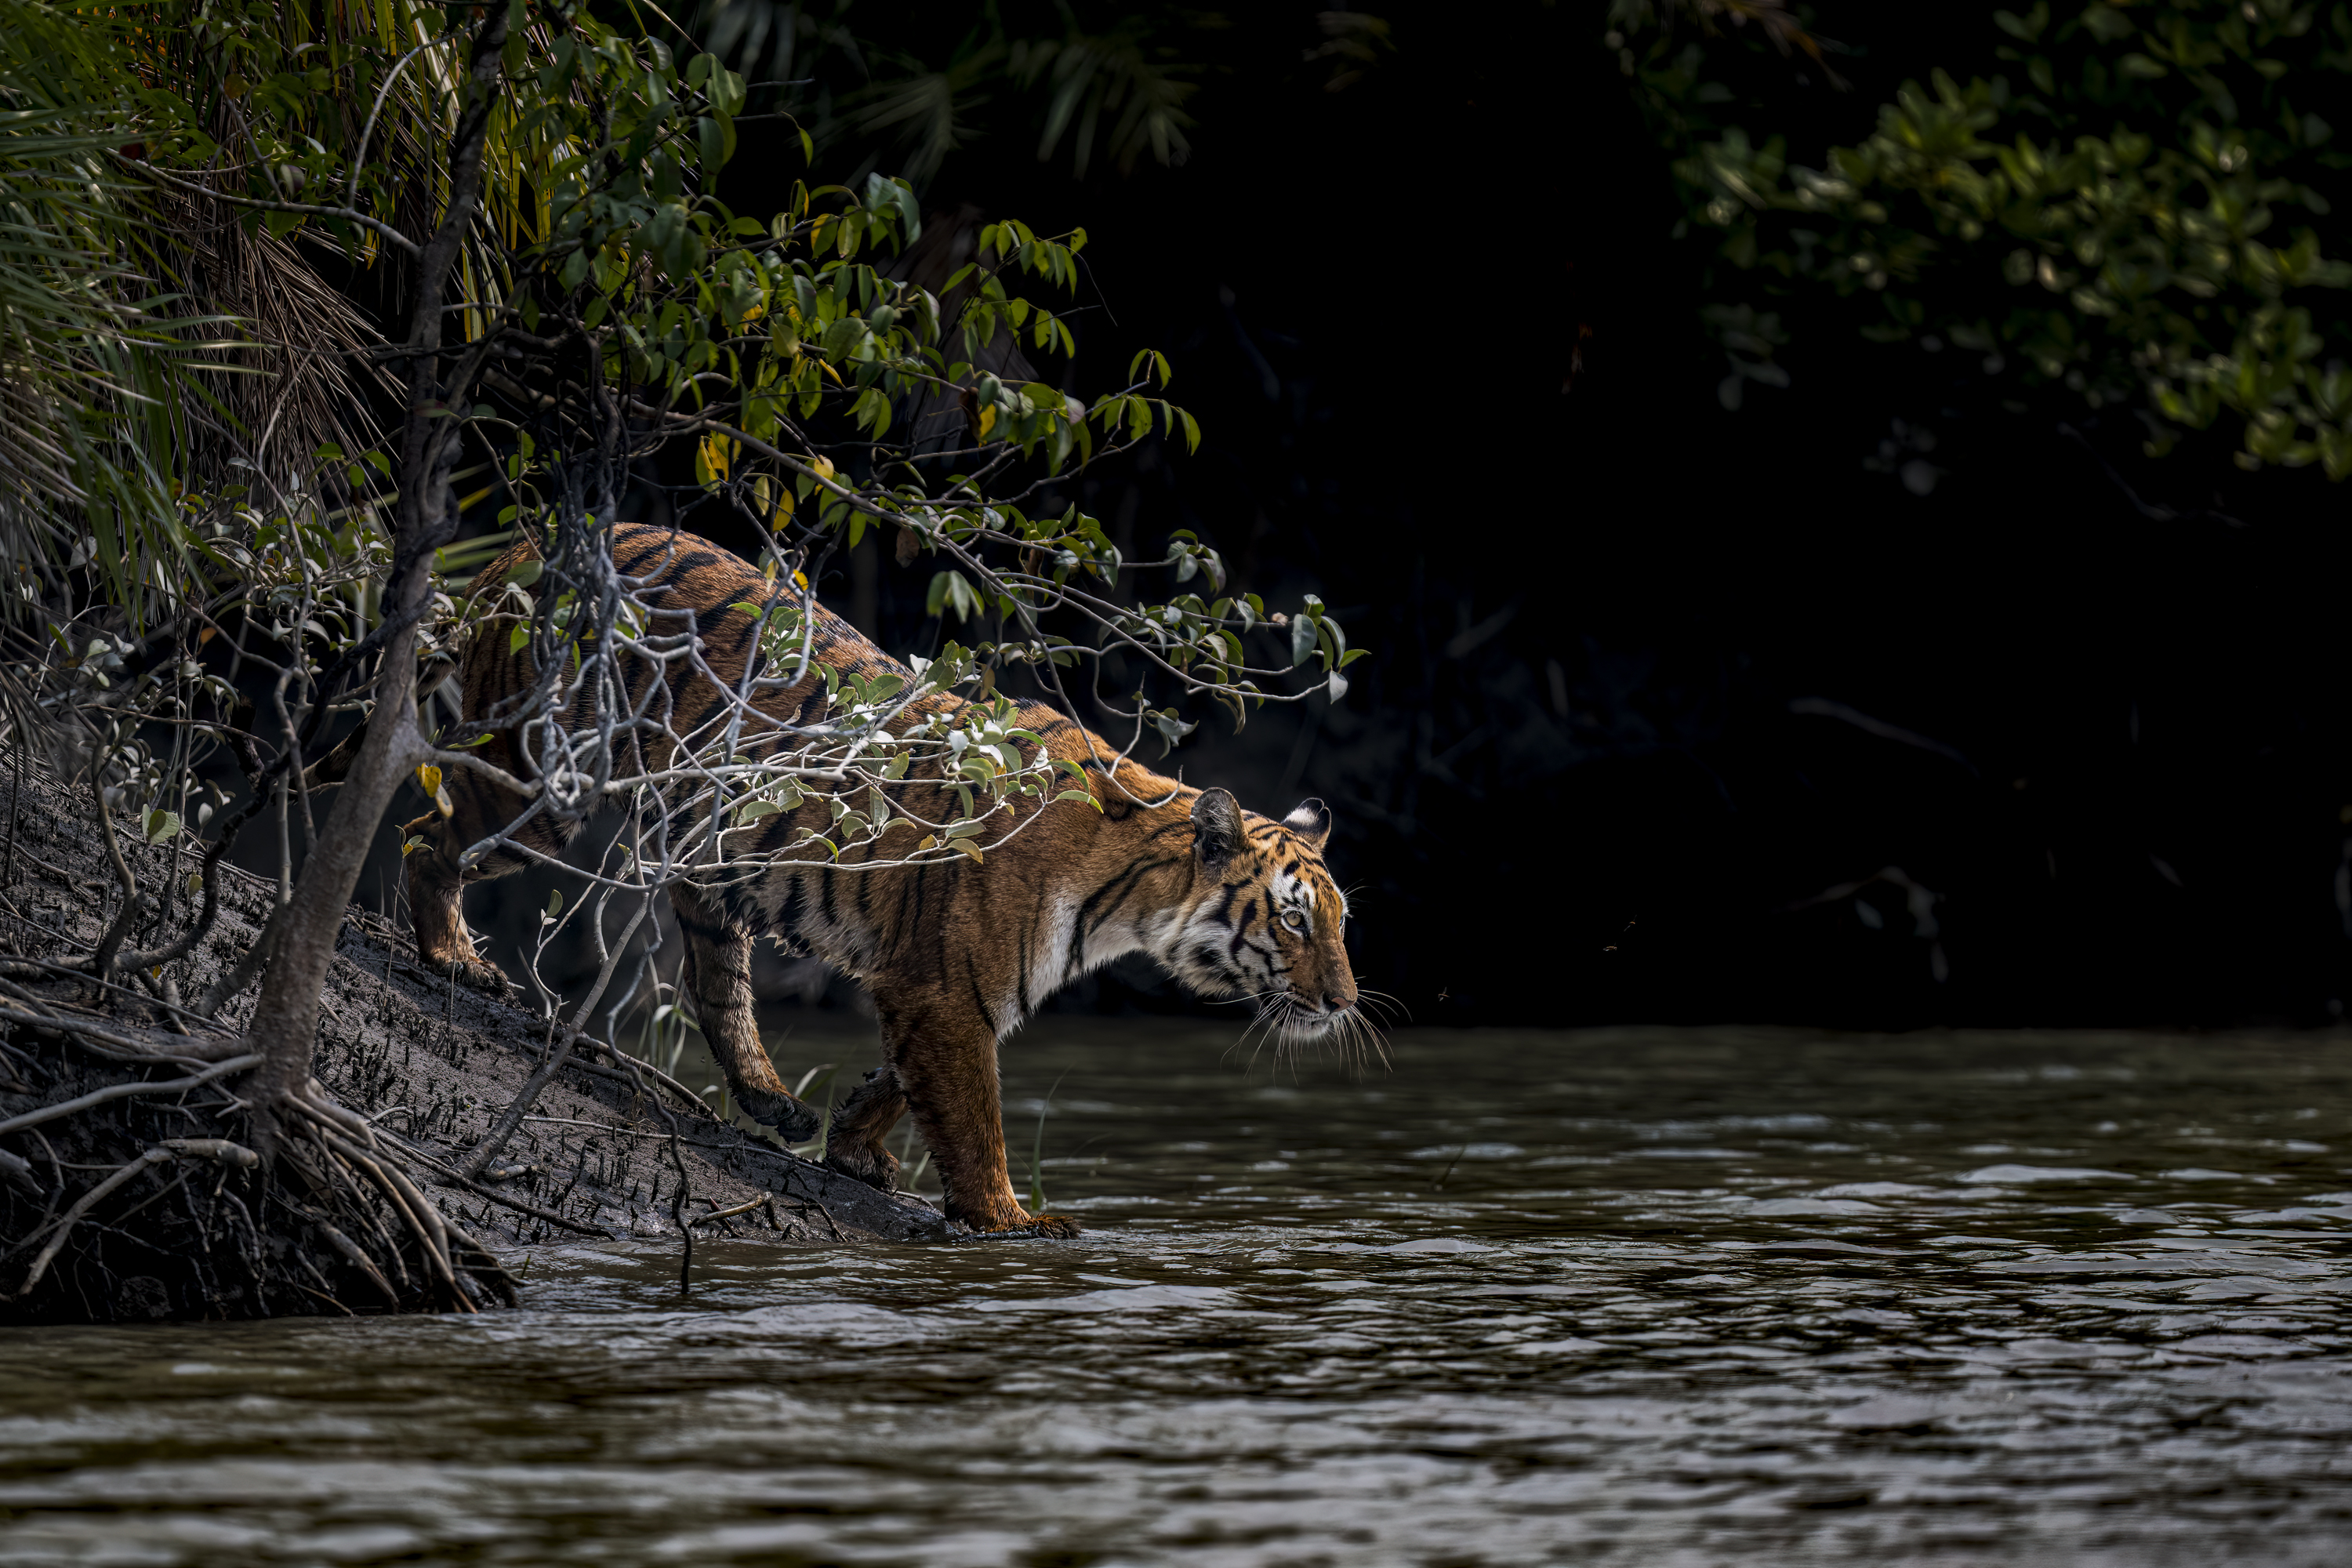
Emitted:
<point x="452" y="1254"/>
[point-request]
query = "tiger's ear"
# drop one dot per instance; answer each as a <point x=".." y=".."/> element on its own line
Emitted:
<point x="1217" y="833"/>
<point x="1311" y="820"/>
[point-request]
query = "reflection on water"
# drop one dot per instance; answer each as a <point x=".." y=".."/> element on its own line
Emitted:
<point x="1641" y="1297"/>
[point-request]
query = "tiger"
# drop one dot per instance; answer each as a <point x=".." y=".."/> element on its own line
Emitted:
<point x="957" y="953"/>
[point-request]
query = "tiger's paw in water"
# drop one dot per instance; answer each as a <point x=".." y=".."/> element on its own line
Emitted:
<point x="1041" y="1228"/>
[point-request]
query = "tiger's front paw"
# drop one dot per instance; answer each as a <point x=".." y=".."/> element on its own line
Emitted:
<point x="878" y="1168"/>
<point x="794" y="1120"/>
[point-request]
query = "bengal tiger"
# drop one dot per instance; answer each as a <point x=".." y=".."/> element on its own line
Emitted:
<point x="957" y="953"/>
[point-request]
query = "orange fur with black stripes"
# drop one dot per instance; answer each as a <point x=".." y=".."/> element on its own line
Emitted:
<point x="956" y="953"/>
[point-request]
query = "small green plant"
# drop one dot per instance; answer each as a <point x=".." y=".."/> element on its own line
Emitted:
<point x="828" y="1074"/>
<point x="1037" y="1150"/>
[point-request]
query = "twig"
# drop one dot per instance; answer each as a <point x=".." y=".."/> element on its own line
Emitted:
<point x="677" y="1207"/>
<point x="124" y="1091"/>
<point x="367" y="131"/>
<point x="637" y="1064"/>
<point x="102" y="961"/>
<point x="533" y="1086"/>
<point x="81" y="972"/>
<point x="322" y="1295"/>
<point x="510" y="1119"/>
<point x="93" y="1035"/>
<point x="16" y="805"/>
<point x="827" y="1214"/>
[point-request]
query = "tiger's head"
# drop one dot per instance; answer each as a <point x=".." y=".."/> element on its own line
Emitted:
<point x="1264" y="922"/>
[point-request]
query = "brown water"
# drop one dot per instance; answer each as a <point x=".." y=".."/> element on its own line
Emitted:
<point x="1655" y="1296"/>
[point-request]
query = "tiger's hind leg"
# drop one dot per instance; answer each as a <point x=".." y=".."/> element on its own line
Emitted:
<point x="435" y="888"/>
<point x="854" y="1145"/>
<point x="436" y="884"/>
<point x="719" y="977"/>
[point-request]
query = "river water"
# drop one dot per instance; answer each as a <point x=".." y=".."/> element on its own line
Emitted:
<point x="1643" y="1296"/>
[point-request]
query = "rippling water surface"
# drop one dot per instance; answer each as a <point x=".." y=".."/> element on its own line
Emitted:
<point x="1651" y="1297"/>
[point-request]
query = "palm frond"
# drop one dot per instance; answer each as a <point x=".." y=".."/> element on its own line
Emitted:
<point x="1116" y="75"/>
<point x="87" y="362"/>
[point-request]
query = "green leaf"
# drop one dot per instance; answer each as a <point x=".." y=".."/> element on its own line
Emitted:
<point x="162" y="825"/>
<point x="949" y="590"/>
<point x="843" y="336"/>
<point x="898" y="196"/>
<point x="1302" y="640"/>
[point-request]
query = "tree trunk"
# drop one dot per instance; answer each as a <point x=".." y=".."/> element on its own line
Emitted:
<point x="286" y="1020"/>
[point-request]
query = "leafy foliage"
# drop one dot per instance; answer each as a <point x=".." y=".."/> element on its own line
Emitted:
<point x="2131" y="208"/>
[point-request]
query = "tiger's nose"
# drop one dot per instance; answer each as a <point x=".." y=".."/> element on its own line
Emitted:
<point x="1338" y="999"/>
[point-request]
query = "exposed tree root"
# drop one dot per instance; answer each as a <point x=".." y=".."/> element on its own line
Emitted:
<point x="150" y="1201"/>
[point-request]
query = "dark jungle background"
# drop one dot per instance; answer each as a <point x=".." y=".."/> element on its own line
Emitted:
<point x="1677" y="712"/>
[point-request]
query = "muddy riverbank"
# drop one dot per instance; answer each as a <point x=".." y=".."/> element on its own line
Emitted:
<point x="610" y="1148"/>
